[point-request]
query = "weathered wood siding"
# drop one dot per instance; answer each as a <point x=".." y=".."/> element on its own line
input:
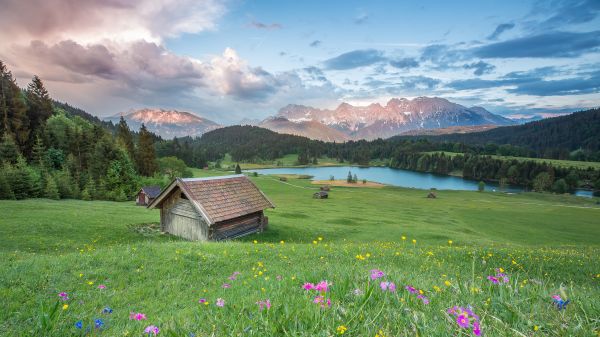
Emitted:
<point x="237" y="227"/>
<point x="179" y="217"/>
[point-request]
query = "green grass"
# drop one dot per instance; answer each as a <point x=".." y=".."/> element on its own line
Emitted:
<point x="554" y="162"/>
<point x="542" y="241"/>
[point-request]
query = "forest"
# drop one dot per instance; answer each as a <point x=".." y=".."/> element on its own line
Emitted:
<point x="52" y="150"/>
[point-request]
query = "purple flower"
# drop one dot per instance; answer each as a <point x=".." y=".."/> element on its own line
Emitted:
<point x="226" y="285"/>
<point x="412" y="290"/>
<point x="388" y="286"/>
<point x="476" y="328"/>
<point x="220" y="302"/>
<point x="308" y="286"/>
<point x="266" y="304"/>
<point x="424" y="299"/>
<point x="63" y="296"/>
<point x="376" y="273"/>
<point x="152" y="330"/>
<point x="462" y="321"/>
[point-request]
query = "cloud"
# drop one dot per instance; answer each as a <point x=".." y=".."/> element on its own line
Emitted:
<point x="501" y="28"/>
<point x="569" y="86"/>
<point x="265" y="26"/>
<point x="315" y="43"/>
<point x="361" y="18"/>
<point x="546" y="45"/>
<point x="571" y="12"/>
<point x="480" y="67"/>
<point x="404" y="63"/>
<point x="355" y="59"/>
<point x="88" y="21"/>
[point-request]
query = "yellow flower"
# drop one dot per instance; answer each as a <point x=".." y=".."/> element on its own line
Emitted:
<point x="341" y="329"/>
<point x="447" y="283"/>
<point x="450" y="242"/>
<point x="535" y="328"/>
<point x="90" y="282"/>
<point x="403" y="237"/>
<point x="65" y="306"/>
<point x="379" y="334"/>
<point x="315" y="242"/>
<point x="368" y="255"/>
<point x="320" y="238"/>
<point x="414" y="241"/>
<point x="360" y="257"/>
<point x="501" y="270"/>
<point x="80" y="275"/>
<point x="436" y="288"/>
<point x="282" y="242"/>
<point x="255" y="241"/>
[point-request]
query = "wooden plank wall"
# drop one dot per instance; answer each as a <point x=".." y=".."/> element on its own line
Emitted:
<point x="179" y="217"/>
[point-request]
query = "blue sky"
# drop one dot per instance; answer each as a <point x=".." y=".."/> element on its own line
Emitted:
<point x="246" y="59"/>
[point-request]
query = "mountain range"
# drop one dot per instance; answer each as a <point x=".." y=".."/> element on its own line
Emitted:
<point x="167" y="123"/>
<point x="399" y="115"/>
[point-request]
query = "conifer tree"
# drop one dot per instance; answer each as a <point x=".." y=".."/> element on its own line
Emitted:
<point x="39" y="102"/>
<point x="14" y="111"/>
<point x="146" y="156"/>
<point x="5" y="190"/>
<point x="8" y="149"/>
<point x="51" y="189"/>
<point x="38" y="151"/>
<point x="238" y="169"/>
<point x="125" y="137"/>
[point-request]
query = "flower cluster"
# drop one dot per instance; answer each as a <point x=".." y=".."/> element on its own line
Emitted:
<point x="500" y="277"/>
<point x="266" y="304"/>
<point x="152" y="330"/>
<point x="63" y="296"/>
<point x="137" y="316"/>
<point x="388" y="286"/>
<point x="466" y="318"/>
<point x="559" y="302"/>
<point x="418" y="292"/>
<point x="376" y="273"/>
<point x="322" y="288"/>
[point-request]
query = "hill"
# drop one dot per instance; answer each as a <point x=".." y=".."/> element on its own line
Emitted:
<point x="547" y="138"/>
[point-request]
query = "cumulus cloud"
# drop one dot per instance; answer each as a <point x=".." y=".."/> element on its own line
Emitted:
<point x="501" y="28"/>
<point x="404" y="63"/>
<point x="355" y="59"/>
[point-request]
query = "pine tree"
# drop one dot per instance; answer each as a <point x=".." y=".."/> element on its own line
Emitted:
<point x="238" y="169"/>
<point x="146" y="156"/>
<point x="38" y="151"/>
<point x="39" y="102"/>
<point x="349" y="178"/>
<point x="20" y="179"/>
<point x="125" y="137"/>
<point x="14" y="119"/>
<point x="5" y="190"/>
<point x="8" y="149"/>
<point x="51" y="189"/>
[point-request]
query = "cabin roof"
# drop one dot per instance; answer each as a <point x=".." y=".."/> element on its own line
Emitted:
<point x="151" y="191"/>
<point x="219" y="198"/>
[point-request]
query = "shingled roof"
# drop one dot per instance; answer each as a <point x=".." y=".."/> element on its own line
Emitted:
<point x="220" y="198"/>
<point x="151" y="191"/>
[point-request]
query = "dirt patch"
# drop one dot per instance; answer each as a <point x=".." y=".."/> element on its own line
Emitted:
<point x="344" y="183"/>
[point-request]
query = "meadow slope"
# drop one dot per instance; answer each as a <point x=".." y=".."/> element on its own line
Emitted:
<point x="543" y="243"/>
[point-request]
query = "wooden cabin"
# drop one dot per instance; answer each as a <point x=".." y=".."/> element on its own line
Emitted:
<point x="215" y="208"/>
<point x="146" y="195"/>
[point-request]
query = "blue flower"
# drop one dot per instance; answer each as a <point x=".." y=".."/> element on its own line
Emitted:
<point x="107" y="310"/>
<point x="79" y="324"/>
<point x="98" y="323"/>
<point x="561" y="304"/>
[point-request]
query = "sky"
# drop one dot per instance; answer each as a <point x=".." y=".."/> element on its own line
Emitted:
<point x="235" y="60"/>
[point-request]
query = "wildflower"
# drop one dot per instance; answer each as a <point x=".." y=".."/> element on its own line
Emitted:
<point x="266" y="304"/>
<point x="226" y="285"/>
<point x="137" y="316"/>
<point x="98" y="323"/>
<point x="388" y="286"/>
<point x="376" y="273"/>
<point x="279" y="277"/>
<point x="403" y="237"/>
<point x="559" y="302"/>
<point x="101" y="286"/>
<point x="493" y="279"/>
<point x="411" y="289"/>
<point x="462" y="321"/>
<point x="202" y="301"/>
<point x="282" y="242"/>
<point x="414" y="241"/>
<point x="320" y="238"/>
<point x="79" y="324"/>
<point x="341" y="329"/>
<point x="65" y="306"/>
<point x="220" y="302"/>
<point x="91" y="282"/>
<point x="450" y="242"/>
<point x="360" y="257"/>
<point x="107" y="310"/>
<point x="380" y="334"/>
<point x="308" y="286"/>
<point x="476" y="328"/>
<point x="63" y="296"/>
<point x="424" y="299"/>
<point x="323" y="301"/>
<point x="357" y="292"/>
<point x="436" y="288"/>
<point x="447" y="283"/>
<point x="323" y="286"/>
<point x="255" y="242"/>
<point x="152" y="330"/>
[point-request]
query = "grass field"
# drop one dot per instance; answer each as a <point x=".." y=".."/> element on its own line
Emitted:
<point x="541" y="241"/>
<point x="554" y="162"/>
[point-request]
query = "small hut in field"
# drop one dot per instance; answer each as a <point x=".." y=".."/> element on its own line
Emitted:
<point x="146" y="195"/>
<point x="215" y="208"/>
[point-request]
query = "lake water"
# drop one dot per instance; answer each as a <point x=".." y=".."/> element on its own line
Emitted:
<point x="397" y="177"/>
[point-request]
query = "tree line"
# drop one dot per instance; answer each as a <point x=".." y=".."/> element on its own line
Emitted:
<point x="47" y="151"/>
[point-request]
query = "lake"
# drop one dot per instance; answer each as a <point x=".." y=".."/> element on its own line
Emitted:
<point x="398" y="177"/>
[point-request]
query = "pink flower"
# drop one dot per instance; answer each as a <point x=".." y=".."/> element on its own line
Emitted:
<point x="476" y="329"/>
<point x="323" y="286"/>
<point x="234" y="275"/>
<point x="220" y="302"/>
<point x="321" y="300"/>
<point x="202" y="300"/>
<point x="308" y="286"/>
<point x="63" y="296"/>
<point x="556" y="297"/>
<point x="388" y="286"/>
<point x="424" y="299"/>
<point x="462" y="321"/>
<point x="376" y="273"/>
<point x="102" y="286"/>
<point x="226" y="285"/>
<point x="493" y="279"/>
<point x="266" y="304"/>
<point x="151" y="329"/>
<point x="137" y="316"/>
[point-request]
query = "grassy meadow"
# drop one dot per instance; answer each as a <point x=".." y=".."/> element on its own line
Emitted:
<point x="109" y="257"/>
